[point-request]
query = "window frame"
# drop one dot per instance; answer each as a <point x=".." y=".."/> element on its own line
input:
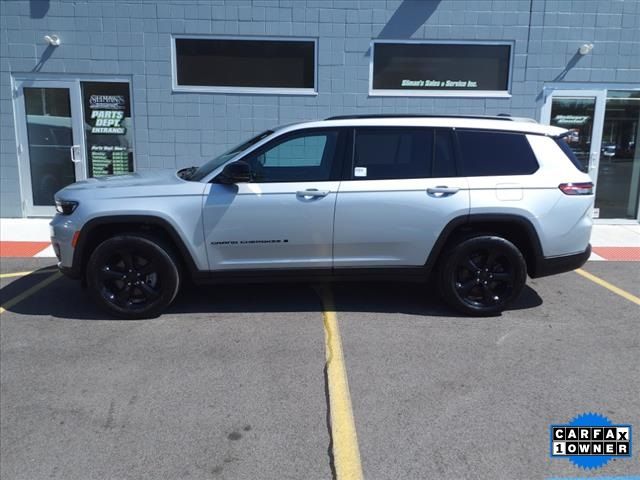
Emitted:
<point x="338" y="160"/>
<point x="175" y="87"/>
<point x="380" y="92"/>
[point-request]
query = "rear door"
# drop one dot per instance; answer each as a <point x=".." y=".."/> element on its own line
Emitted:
<point x="399" y="191"/>
<point x="283" y="218"/>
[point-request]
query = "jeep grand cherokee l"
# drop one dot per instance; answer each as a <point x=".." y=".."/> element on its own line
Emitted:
<point x="473" y="203"/>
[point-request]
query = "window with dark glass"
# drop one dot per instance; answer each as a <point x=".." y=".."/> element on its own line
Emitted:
<point x="485" y="153"/>
<point x="245" y="63"/>
<point x="440" y="66"/>
<point x="301" y="157"/>
<point x="397" y="153"/>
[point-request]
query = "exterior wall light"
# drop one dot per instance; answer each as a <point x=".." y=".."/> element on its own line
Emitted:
<point x="53" y="40"/>
<point x="585" y="48"/>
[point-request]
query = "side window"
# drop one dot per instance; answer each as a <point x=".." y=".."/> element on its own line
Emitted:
<point x="298" y="158"/>
<point x="485" y="153"/>
<point x="392" y="153"/>
<point x="444" y="162"/>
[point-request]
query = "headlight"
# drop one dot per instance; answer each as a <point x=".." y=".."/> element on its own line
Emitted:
<point x="66" y="207"/>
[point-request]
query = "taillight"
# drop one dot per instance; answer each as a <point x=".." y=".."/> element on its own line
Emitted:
<point x="582" y="188"/>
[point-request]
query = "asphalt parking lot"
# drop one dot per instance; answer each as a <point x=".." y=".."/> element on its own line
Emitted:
<point x="231" y="382"/>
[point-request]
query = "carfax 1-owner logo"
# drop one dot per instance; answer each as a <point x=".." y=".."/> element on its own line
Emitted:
<point x="590" y="440"/>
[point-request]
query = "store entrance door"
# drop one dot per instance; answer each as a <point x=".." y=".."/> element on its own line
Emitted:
<point x="50" y="141"/>
<point x="68" y="130"/>
<point x="605" y="125"/>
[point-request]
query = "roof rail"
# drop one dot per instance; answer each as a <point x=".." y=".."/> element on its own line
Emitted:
<point x="502" y="116"/>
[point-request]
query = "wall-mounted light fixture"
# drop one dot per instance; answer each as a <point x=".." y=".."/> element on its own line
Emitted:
<point x="53" y="40"/>
<point x="585" y="48"/>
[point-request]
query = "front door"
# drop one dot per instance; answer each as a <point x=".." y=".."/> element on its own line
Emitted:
<point x="283" y="218"/>
<point x="50" y="141"/>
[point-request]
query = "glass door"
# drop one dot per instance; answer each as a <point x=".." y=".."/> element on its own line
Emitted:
<point x="50" y="141"/>
<point x="619" y="166"/>
<point x="605" y="125"/>
<point x="580" y="112"/>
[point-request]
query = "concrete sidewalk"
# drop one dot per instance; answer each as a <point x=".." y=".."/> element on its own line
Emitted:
<point x="29" y="237"/>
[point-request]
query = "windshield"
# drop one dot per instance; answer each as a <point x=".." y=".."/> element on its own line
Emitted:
<point x="205" y="169"/>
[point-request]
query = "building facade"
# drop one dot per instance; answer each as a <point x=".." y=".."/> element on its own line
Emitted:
<point x="91" y="88"/>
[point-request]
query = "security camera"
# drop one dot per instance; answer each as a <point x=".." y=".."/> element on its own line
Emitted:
<point x="52" y="40"/>
<point x="585" y="48"/>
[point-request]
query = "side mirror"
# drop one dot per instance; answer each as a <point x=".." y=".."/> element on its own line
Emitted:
<point x="236" y="172"/>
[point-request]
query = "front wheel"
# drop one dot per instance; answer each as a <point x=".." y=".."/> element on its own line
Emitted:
<point x="132" y="276"/>
<point x="482" y="275"/>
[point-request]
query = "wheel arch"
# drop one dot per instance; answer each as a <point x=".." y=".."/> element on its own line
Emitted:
<point x="99" y="229"/>
<point x="517" y="229"/>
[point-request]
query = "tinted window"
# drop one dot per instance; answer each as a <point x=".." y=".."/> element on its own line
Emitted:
<point x="444" y="164"/>
<point x="298" y="158"/>
<point x="245" y="63"/>
<point x="430" y="66"/>
<point x="495" y="153"/>
<point x="388" y="153"/>
<point x="562" y="143"/>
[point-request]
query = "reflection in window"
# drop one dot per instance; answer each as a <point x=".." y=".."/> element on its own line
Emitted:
<point x="575" y="114"/>
<point x="619" y="169"/>
<point x="298" y="158"/>
<point x="440" y="66"/>
<point x="245" y="63"/>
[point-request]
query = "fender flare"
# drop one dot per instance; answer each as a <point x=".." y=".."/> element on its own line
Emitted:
<point x="79" y="254"/>
<point x="503" y="218"/>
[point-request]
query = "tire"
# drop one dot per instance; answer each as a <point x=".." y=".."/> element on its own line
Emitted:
<point x="132" y="276"/>
<point x="482" y="275"/>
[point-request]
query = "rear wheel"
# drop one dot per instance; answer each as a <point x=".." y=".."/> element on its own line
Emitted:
<point x="482" y="275"/>
<point x="132" y="276"/>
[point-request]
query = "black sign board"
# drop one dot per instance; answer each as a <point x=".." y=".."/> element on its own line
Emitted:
<point x="441" y="66"/>
<point x="108" y="128"/>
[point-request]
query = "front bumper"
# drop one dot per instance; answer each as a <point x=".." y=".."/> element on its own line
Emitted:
<point x="62" y="230"/>
<point x="546" y="266"/>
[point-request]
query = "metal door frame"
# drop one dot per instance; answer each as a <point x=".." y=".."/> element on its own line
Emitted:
<point x="22" y="138"/>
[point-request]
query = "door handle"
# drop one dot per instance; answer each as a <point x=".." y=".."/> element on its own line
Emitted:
<point x="312" y="192"/>
<point x="75" y="153"/>
<point x="442" y="191"/>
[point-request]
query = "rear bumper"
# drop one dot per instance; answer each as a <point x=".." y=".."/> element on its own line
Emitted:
<point x="546" y="266"/>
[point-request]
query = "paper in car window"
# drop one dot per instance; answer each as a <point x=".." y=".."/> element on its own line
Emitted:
<point x="360" y="172"/>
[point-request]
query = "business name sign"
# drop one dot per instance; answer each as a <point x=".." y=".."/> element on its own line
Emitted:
<point x="440" y="66"/>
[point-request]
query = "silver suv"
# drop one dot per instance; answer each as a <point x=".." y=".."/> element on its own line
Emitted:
<point x="474" y="203"/>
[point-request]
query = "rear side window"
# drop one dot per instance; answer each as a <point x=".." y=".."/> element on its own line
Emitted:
<point x="564" y="146"/>
<point x="398" y="153"/>
<point x="485" y="153"/>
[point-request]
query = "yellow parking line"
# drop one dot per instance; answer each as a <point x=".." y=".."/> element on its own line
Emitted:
<point x="30" y="291"/>
<point x="22" y="274"/>
<point x="346" y="453"/>
<point x="608" y="286"/>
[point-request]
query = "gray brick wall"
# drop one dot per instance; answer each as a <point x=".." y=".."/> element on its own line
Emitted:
<point x="132" y="39"/>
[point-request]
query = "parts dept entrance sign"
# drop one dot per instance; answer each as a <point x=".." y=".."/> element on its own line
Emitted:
<point x="108" y="128"/>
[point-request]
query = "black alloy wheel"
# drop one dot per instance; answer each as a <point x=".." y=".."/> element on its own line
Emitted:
<point x="483" y="275"/>
<point x="133" y="276"/>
